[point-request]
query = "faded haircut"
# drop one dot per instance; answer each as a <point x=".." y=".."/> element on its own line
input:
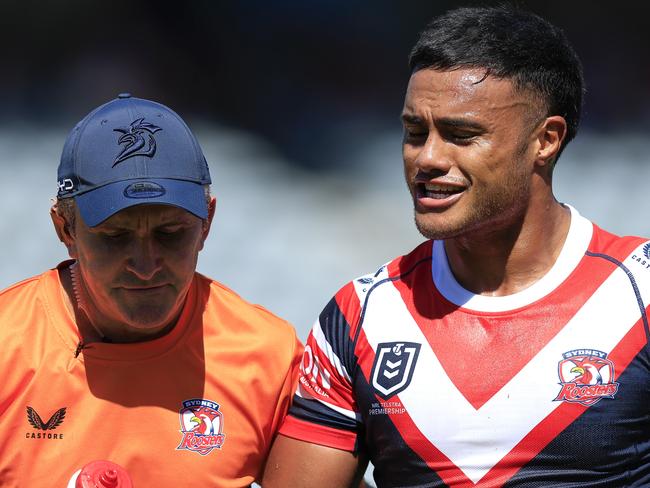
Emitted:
<point x="509" y="43"/>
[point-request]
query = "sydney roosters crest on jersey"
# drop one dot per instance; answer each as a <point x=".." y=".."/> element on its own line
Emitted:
<point x="201" y="425"/>
<point x="586" y="376"/>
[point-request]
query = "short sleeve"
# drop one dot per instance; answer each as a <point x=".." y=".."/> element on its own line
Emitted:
<point x="324" y="410"/>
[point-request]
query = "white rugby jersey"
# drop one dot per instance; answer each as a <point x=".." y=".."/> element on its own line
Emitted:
<point x="441" y="387"/>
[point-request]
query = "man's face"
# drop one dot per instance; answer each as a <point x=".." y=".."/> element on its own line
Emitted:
<point x="468" y="151"/>
<point x="137" y="266"/>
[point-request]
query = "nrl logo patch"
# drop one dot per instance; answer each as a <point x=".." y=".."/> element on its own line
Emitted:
<point x="201" y="426"/>
<point x="586" y="377"/>
<point x="133" y="138"/>
<point x="393" y="367"/>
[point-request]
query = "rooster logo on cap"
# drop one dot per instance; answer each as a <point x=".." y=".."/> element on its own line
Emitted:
<point x="133" y="137"/>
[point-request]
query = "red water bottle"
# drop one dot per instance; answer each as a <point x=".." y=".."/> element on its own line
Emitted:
<point x="101" y="474"/>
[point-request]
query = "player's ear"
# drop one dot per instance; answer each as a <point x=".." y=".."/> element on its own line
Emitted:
<point x="207" y="223"/>
<point x="63" y="230"/>
<point x="550" y="136"/>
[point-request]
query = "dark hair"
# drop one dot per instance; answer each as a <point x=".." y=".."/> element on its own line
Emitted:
<point x="509" y="43"/>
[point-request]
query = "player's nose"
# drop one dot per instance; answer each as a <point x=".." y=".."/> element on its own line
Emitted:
<point x="434" y="155"/>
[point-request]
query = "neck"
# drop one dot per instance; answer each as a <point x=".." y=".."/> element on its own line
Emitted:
<point x="80" y="306"/>
<point x="503" y="261"/>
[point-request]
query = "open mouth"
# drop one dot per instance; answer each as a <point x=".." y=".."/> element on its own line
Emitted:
<point x="437" y="192"/>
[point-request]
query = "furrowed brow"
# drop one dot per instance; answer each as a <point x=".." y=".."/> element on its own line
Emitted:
<point x="458" y="123"/>
<point x="411" y="119"/>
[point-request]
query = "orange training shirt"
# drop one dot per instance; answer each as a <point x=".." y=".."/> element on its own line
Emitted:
<point x="198" y="406"/>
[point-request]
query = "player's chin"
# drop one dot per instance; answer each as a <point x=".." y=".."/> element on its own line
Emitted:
<point x="434" y="226"/>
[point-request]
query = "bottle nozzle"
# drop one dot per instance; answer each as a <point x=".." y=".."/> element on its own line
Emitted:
<point x="101" y="474"/>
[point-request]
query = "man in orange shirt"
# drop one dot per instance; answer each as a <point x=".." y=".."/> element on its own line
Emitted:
<point x="125" y="353"/>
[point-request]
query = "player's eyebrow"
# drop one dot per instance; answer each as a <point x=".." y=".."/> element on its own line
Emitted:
<point x="461" y="123"/>
<point x="410" y="119"/>
<point x="452" y="122"/>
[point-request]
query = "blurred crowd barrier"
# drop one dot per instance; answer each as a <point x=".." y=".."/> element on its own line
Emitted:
<point x="288" y="238"/>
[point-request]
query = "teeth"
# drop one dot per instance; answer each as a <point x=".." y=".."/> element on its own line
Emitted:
<point x="430" y="187"/>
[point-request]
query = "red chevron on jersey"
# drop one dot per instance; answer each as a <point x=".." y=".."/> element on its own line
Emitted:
<point x="519" y="406"/>
<point x="486" y="339"/>
<point x="454" y="389"/>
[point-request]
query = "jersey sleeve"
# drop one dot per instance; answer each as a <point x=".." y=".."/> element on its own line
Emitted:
<point x="324" y="410"/>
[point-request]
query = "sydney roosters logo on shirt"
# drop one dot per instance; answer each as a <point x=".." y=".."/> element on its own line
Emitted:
<point x="586" y="377"/>
<point x="201" y="426"/>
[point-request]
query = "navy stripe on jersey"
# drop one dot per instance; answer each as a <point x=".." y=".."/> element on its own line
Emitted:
<point x="315" y="412"/>
<point x="395" y="463"/>
<point x="336" y="330"/>
<point x="603" y="454"/>
<point x="634" y="287"/>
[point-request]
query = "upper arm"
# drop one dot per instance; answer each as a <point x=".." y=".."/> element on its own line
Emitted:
<point x="301" y="464"/>
<point x="317" y="445"/>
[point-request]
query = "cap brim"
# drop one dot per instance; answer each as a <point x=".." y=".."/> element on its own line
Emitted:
<point x="101" y="203"/>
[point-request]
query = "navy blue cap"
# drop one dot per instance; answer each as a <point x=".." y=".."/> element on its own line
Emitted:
<point x="132" y="151"/>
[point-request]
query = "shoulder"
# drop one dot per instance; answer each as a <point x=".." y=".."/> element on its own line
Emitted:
<point x="26" y="285"/>
<point x="350" y="300"/>
<point x="237" y="333"/>
<point x="27" y="313"/>
<point x="29" y="285"/>
<point x="592" y="241"/>
<point x="619" y="249"/>
<point x="231" y="311"/>
<point x="398" y="269"/>
<point x="20" y="293"/>
<point x="629" y="256"/>
<point x="609" y="243"/>
<point x="20" y="307"/>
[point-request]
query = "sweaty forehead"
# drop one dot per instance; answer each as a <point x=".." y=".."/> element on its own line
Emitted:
<point x="470" y="92"/>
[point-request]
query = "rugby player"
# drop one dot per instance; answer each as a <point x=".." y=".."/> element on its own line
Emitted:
<point x="510" y="348"/>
